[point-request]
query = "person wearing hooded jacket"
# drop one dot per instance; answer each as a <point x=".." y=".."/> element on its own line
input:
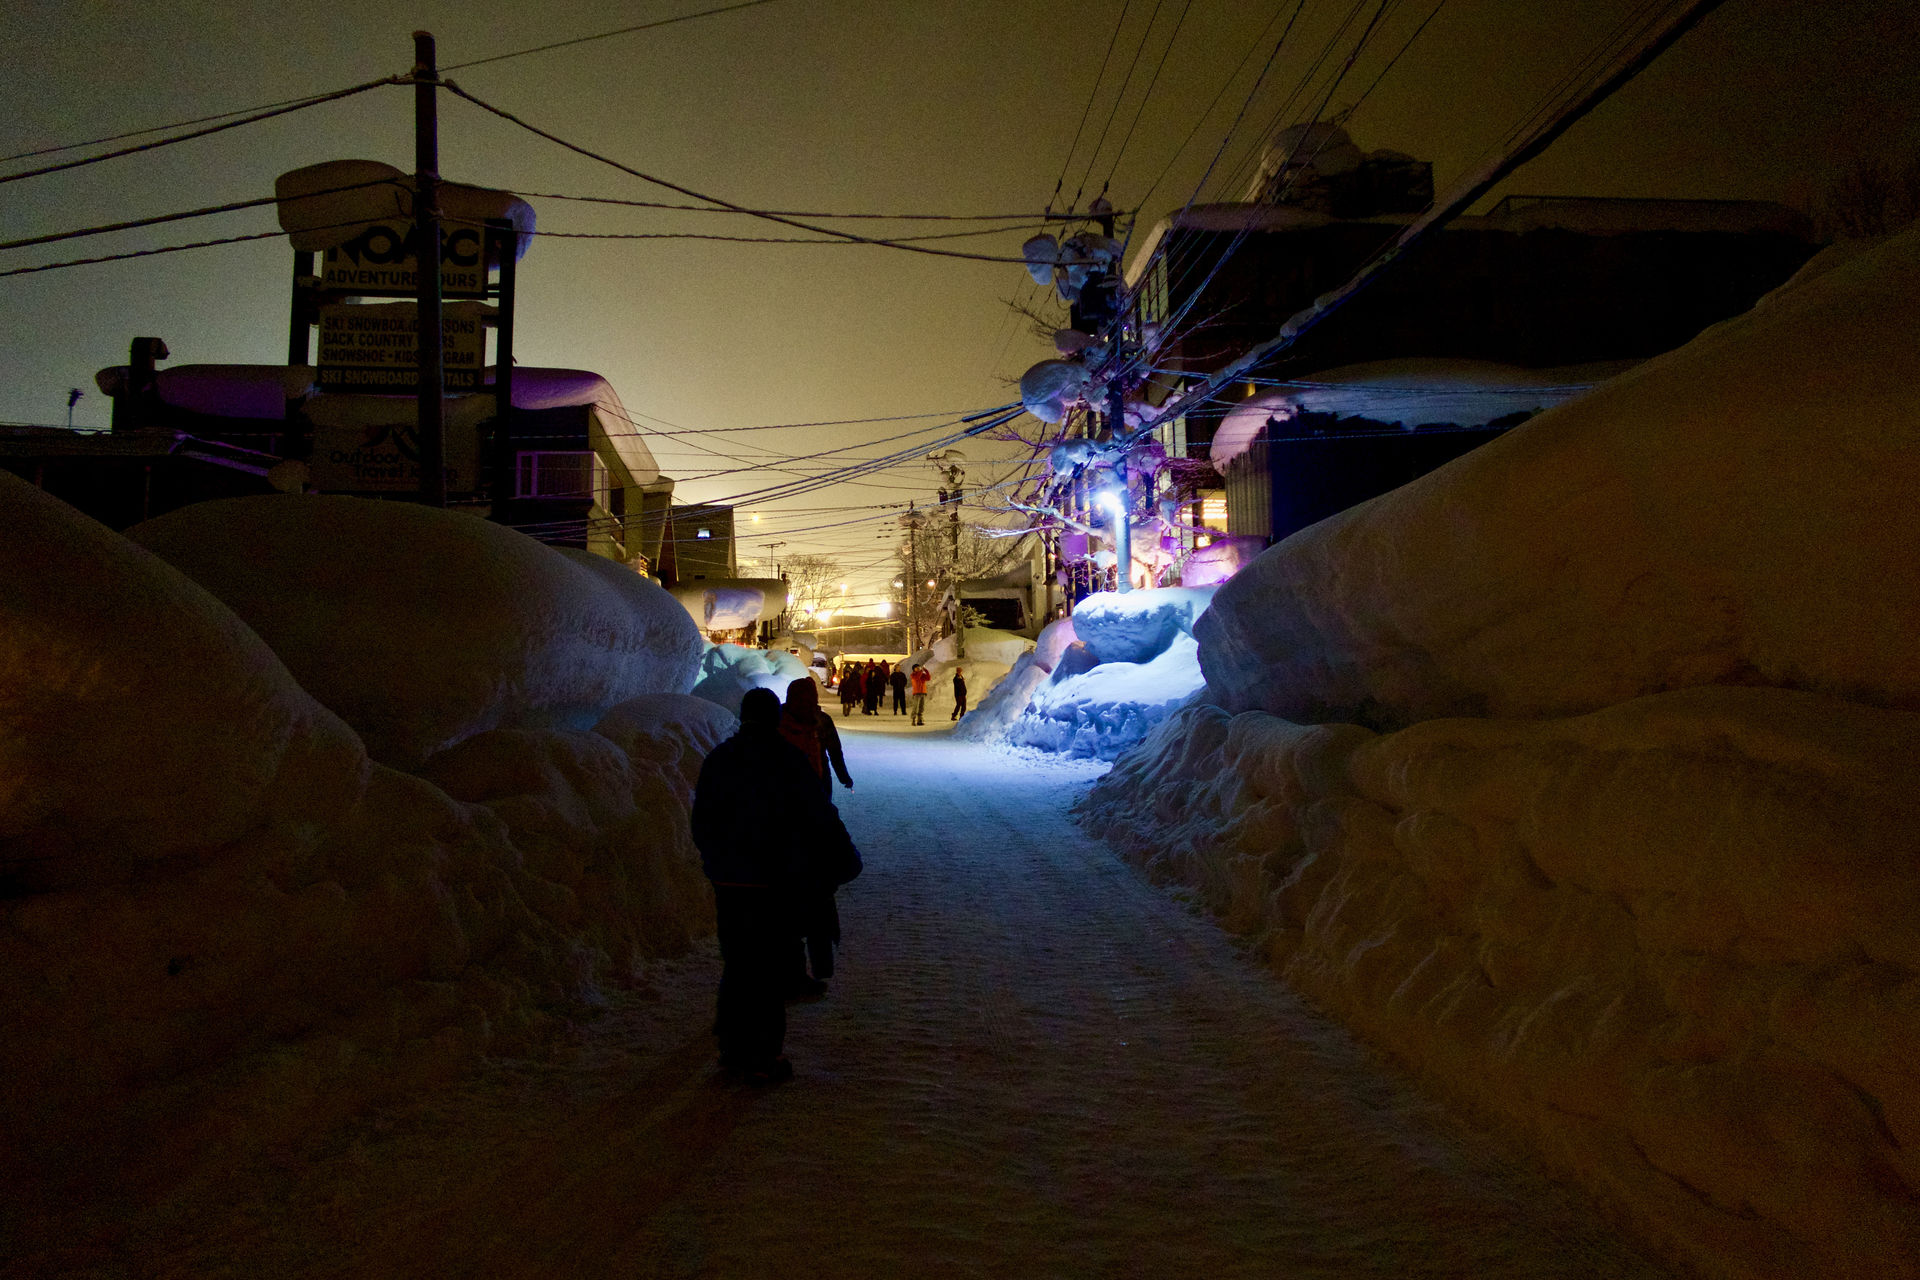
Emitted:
<point x="811" y="731"/>
<point x="818" y="916"/>
<point x="765" y="833"/>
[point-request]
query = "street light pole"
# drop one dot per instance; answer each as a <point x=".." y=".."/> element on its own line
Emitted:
<point x="431" y="405"/>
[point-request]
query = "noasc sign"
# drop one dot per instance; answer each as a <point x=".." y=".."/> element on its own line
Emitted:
<point x="382" y="261"/>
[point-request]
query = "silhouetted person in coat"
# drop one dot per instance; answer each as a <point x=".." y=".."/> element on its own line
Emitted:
<point x="959" y="693"/>
<point x="817" y="917"/>
<point x="899" y="682"/>
<point x="765" y="833"/>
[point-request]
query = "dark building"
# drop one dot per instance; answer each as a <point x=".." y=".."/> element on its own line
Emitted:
<point x="1488" y="321"/>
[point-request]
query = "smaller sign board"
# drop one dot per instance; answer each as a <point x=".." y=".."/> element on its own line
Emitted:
<point x="376" y="347"/>
<point x="381" y="262"/>
<point x="375" y="451"/>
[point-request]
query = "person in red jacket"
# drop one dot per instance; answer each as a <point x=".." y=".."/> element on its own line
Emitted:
<point x="920" y="679"/>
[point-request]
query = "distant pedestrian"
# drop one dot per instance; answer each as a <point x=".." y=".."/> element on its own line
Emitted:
<point x="766" y="834"/>
<point x="849" y="688"/>
<point x="872" y="681"/>
<point x="921" y="678"/>
<point x="959" y="693"/>
<point x="899" y="682"/>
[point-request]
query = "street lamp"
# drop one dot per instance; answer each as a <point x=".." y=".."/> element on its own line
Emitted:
<point x="1115" y="502"/>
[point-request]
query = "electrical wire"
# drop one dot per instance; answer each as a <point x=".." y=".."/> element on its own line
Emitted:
<point x="576" y="148"/>
<point x="606" y="35"/>
<point x="1087" y="110"/>
<point x="793" y="213"/>
<point x="1140" y="109"/>
<point x="300" y="104"/>
<point x="149" y="253"/>
<point x="1118" y="98"/>
<point x="178" y="217"/>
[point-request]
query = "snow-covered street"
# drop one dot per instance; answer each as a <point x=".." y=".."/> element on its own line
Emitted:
<point x="1031" y="1063"/>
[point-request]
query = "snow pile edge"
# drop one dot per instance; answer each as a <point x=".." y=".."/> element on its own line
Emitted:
<point x="1669" y="946"/>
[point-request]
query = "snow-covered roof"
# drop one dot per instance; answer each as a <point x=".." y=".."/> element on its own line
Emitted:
<point x="1410" y="392"/>
<point x="325" y="205"/>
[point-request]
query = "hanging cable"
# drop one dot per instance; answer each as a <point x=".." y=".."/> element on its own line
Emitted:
<point x="1140" y="110"/>
<point x="577" y="149"/>
<point x="57" y="236"/>
<point x="299" y="105"/>
<point x="606" y="35"/>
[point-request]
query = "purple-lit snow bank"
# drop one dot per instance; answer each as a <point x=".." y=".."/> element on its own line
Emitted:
<point x="220" y="920"/>
<point x="1581" y="774"/>
<point x="1100" y="681"/>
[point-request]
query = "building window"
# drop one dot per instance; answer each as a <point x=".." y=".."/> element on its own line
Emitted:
<point x="703" y="533"/>
<point x="553" y="474"/>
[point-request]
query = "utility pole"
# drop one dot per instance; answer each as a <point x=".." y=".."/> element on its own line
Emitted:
<point x="1122" y="511"/>
<point x="506" y="246"/>
<point x="912" y="521"/>
<point x="431" y="425"/>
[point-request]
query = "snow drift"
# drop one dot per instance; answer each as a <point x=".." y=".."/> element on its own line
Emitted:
<point x="1633" y="868"/>
<point x="727" y="671"/>
<point x="220" y="921"/>
<point x="1100" y="681"/>
<point x="1720" y="515"/>
<point x="421" y="627"/>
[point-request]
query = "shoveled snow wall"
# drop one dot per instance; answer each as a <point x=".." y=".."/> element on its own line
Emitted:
<point x="1098" y="682"/>
<point x="1669" y="946"/>
<point x="1744" y="510"/>
<point x="1595" y="798"/>
<point x="420" y="627"/>
<point x="222" y="923"/>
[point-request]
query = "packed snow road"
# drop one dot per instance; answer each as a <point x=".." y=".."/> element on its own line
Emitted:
<point x="1031" y="1063"/>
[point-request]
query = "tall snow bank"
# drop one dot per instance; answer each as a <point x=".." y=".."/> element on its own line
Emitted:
<point x="1672" y="945"/>
<point x="421" y="627"/>
<point x="727" y="671"/>
<point x="220" y="922"/>
<point x="1731" y="513"/>
<point x="139" y="719"/>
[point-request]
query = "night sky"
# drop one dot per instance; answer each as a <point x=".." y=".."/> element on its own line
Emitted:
<point x="835" y="106"/>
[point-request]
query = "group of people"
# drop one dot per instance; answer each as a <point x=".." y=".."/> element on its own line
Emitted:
<point x="775" y="849"/>
<point x="865" y="686"/>
<point x="862" y="686"/>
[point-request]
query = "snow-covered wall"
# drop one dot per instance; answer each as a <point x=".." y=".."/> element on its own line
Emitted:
<point x="1671" y="944"/>
<point x="421" y="627"/>
<point x="1741" y="510"/>
<point x="1596" y="799"/>
<point x="221" y="921"/>
<point x="1098" y="682"/>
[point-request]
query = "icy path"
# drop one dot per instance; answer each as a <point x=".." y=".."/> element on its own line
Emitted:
<point x="1031" y="1063"/>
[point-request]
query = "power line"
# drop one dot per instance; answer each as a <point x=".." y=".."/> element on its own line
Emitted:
<point x="792" y="213"/>
<point x="298" y="105"/>
<point x="177" y="217"/>
<point x="149" y="253"/>
<point x="606" y="35"/>
<point x="1118" y="98"/>
<point x="1087" y="110"/>
<point x="508" y="116"/>
<point x="1140" y="110"/>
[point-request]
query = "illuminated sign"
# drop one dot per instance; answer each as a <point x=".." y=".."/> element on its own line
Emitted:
<point x="381" y="262"/>
<point x="377" y="348"/>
